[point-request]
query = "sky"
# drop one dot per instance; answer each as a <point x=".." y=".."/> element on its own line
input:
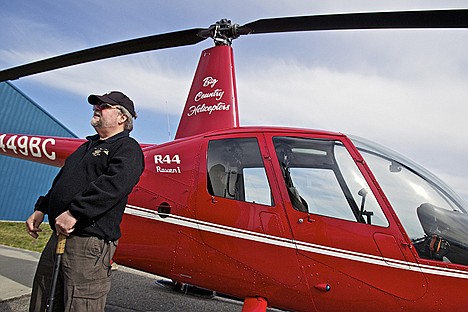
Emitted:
<point x="405" y="89"/>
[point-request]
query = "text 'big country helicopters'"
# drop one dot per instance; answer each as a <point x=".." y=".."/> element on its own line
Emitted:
<point x="297" y="219"/>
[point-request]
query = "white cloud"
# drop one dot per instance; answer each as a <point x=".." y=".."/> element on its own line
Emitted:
<point x="284" y="92"/>
<point x="144" y="79"/>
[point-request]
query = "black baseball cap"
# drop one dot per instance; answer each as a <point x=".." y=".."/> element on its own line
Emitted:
<point x="114" y="98"/>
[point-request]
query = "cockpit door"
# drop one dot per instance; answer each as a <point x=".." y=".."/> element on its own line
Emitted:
<point x="343" y="234"/>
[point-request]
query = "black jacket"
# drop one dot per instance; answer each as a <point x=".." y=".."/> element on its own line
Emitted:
<point x="94" y="185"/>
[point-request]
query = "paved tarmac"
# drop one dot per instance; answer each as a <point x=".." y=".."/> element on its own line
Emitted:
<point x="131" y="290"/>
<point x="17" y="267"/>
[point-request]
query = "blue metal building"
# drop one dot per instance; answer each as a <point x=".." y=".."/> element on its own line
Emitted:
<point x="21" y="182"/>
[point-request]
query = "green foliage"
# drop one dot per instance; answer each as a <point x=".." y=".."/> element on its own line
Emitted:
<point x="14" y="234"/>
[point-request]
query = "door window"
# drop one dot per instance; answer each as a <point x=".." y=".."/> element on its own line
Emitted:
<point x="236" y="171"/>
<point x="322" y="178"/>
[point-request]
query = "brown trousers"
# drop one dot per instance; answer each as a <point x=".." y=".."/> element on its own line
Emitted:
<point x="84" y="278"/>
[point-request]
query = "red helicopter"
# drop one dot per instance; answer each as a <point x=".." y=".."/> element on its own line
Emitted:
<point x="296" y="219"/>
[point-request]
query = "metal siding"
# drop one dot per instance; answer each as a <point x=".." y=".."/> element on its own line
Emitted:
<point x="22" y="182"/>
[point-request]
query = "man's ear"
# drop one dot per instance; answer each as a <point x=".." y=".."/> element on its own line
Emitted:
<point x="123" y="118"/>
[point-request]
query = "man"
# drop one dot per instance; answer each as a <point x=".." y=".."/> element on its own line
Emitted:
<point x="86" y="203"/>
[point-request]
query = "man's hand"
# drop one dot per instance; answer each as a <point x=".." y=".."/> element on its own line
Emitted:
<point x="33" y="222"/>
<point x="65" y="223"/>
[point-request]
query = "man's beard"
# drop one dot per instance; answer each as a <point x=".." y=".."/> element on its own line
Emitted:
<point x="100" y="123"/>
<point x="96" y="123"/>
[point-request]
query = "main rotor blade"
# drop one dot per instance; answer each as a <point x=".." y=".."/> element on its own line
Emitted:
<point x="378" y="20"/>
<point x="155" y="42"/>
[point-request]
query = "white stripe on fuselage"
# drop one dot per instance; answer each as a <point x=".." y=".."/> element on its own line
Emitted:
<point x="290" y="243"/>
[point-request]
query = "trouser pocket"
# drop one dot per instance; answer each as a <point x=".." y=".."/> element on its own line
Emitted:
<point x="90" y="296"/>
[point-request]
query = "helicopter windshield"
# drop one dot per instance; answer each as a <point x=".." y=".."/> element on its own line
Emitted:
<point x="433" y="215"/>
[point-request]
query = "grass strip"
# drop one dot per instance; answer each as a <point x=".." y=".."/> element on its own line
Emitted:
<point x="14" y="234"/>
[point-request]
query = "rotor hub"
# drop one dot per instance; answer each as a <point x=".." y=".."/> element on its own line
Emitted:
<point x="223" y="32"/>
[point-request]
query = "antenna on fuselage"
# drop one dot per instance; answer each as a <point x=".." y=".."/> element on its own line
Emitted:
<point x="168" y="123"/>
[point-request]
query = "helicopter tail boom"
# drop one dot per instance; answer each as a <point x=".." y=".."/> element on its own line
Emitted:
<point x="41" y="149"/>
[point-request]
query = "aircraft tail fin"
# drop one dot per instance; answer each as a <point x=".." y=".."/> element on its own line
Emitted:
<point x="212" y="100"/>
